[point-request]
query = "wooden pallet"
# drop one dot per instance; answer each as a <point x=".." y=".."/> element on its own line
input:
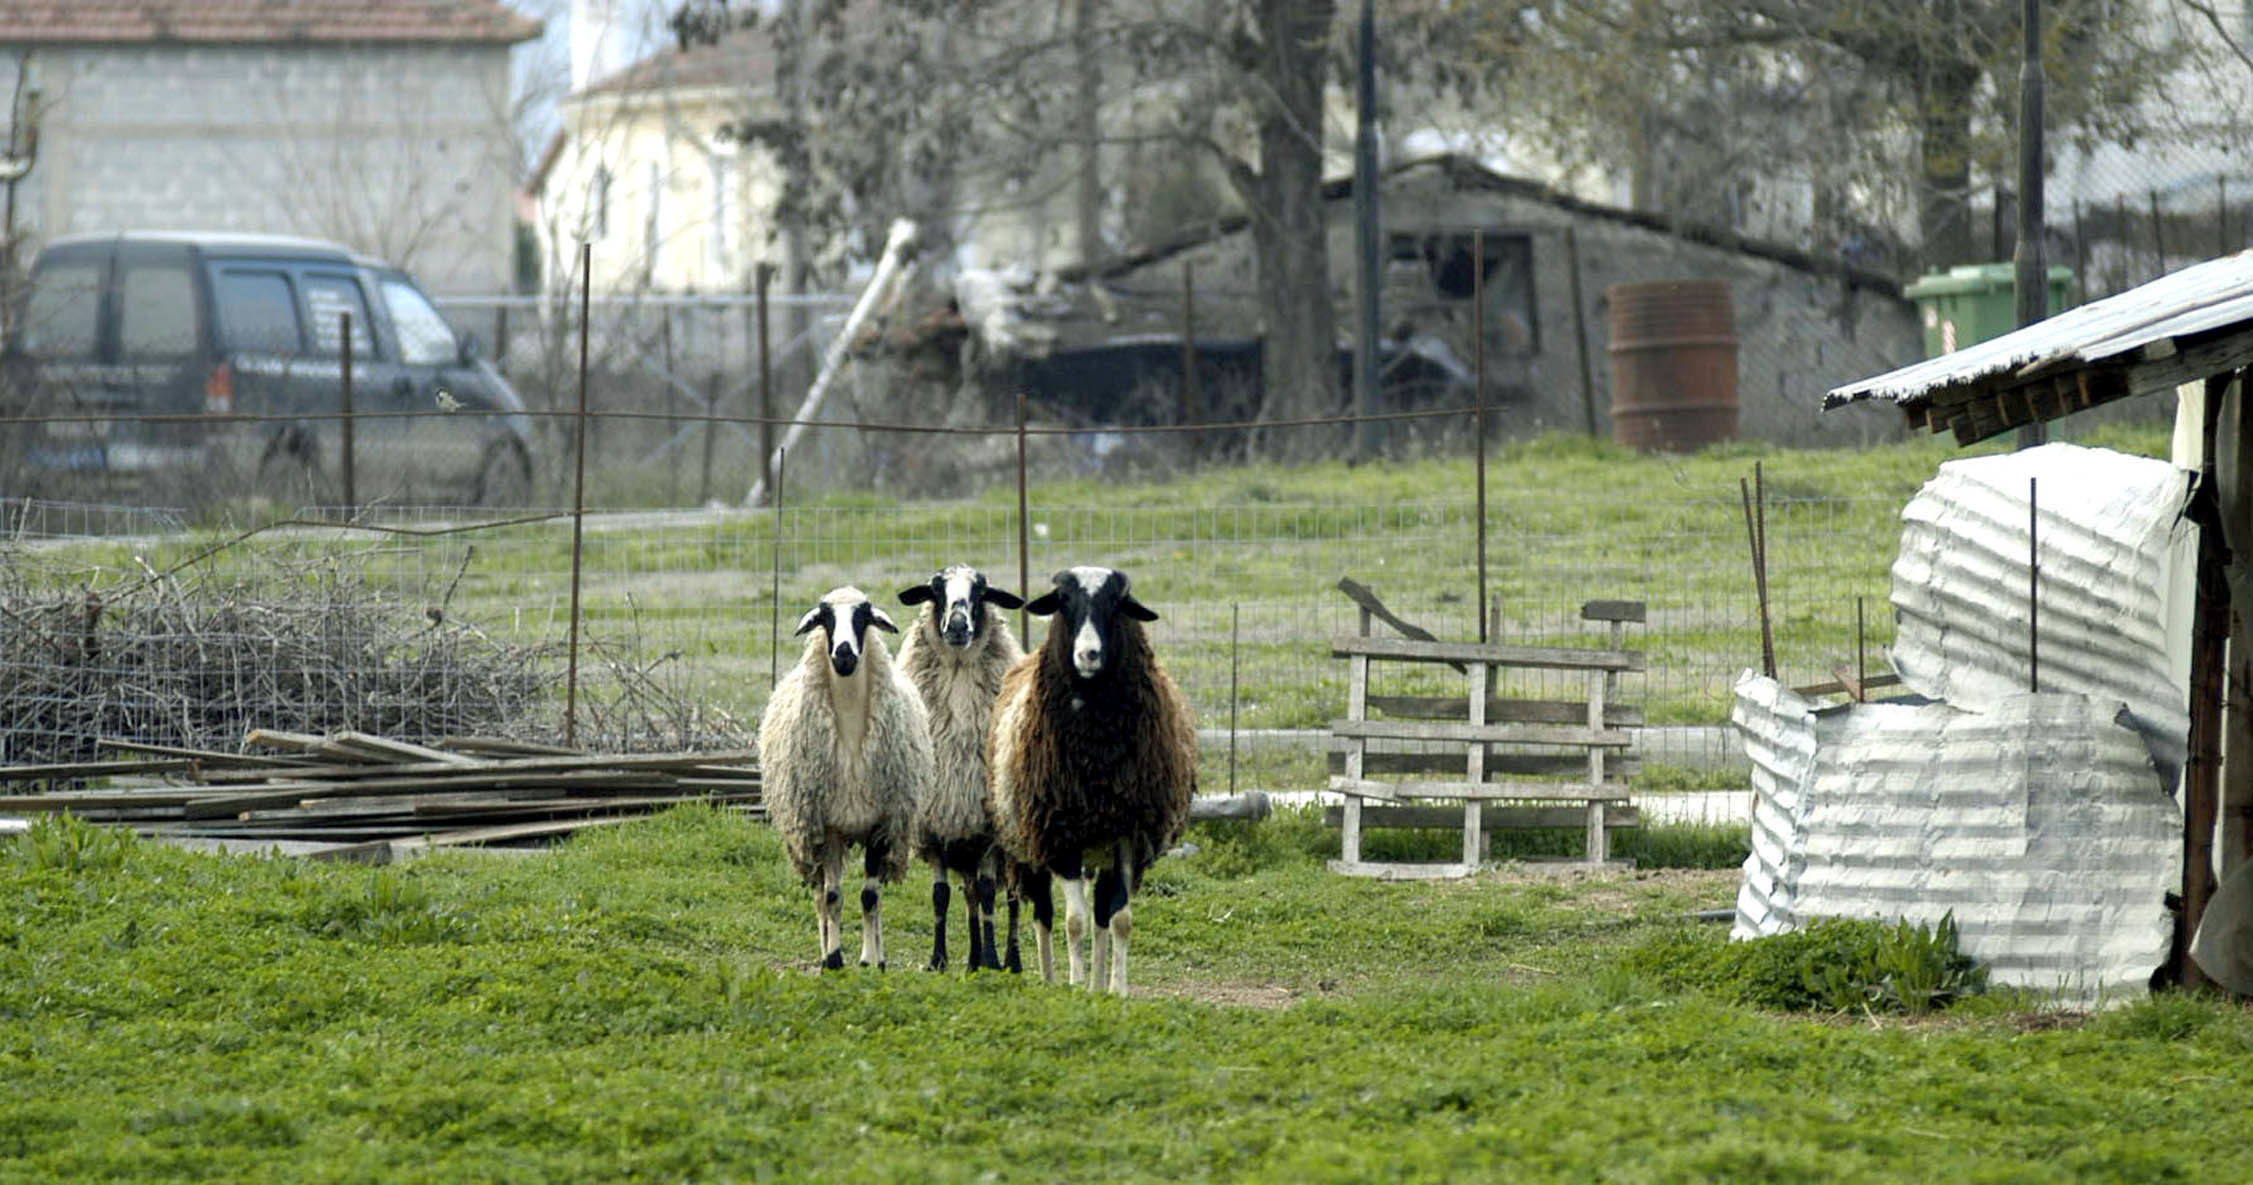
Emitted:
<point x="1580" y="748"/>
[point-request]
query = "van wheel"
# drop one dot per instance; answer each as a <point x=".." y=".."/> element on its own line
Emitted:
<point x="290" y="473"/>
<point x="504" y="477"/>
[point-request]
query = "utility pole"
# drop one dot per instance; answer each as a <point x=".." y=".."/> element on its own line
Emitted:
<point x="1365" y="184"/>
<point x="2032" y="269"/>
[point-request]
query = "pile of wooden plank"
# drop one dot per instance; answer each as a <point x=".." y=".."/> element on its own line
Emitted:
<point x="357" y="796"/>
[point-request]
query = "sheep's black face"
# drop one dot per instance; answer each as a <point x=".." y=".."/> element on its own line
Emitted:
<point x="844" y="616"/>
<point x="961" y="594"/>
<point x="1090" y="601"/>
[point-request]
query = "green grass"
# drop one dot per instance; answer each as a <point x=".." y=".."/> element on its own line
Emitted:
<point x="637" y="1006"/>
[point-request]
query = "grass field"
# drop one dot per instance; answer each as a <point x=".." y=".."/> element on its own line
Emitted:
<point x="639" y="1005"/>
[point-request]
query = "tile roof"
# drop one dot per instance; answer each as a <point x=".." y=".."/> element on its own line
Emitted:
<point x="79" y="22"/>
<point x="744" y="58"/>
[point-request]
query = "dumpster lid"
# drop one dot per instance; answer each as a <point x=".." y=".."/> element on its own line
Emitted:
<point x="1975" y="277"/>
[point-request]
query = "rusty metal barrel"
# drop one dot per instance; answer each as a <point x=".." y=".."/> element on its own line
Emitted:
<point x="1674" y="364"/>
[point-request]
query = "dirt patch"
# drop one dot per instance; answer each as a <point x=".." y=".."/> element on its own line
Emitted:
<point x="1267" y="997"/>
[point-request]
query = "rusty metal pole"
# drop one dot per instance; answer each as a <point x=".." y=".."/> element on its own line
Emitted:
<point x="351" y="482"/>
<point x="1233" y="620"/>
<point x="1192" y="392"/>
<point x="767" y="466"/>
<point x="781" y="460"/>
<point x="1478" y="427"/>
<point x="2033" y="588"/>
<point x="578" y="504"/>
<point x="1024" y="534"/>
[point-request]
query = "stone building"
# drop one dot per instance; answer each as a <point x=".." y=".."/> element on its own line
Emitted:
<point x="381" y="124"/>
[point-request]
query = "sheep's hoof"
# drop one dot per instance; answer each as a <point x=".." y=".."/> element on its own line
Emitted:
<point x="835" y="961"/>
<point x="1015" y="965"/>
<point x="937" y="963"/>
<point x="990" y="963"/>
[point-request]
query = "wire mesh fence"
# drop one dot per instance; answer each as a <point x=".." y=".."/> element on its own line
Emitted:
<point x="697" y="607"/>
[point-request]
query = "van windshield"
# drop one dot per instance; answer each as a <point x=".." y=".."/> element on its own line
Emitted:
<point x="61" y="315"/>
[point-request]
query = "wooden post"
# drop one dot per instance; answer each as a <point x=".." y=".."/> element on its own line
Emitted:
<point x="1357" y="708"/>
<point x="1478" y="427"/>
<point x="1580" y="331"/>
<point x="711" y="431"/>
<point x="1474" y="772"/>
<point x="578" y="502"/>
<point x="1024" y="534"/>
<point x="351" y="480"/>
<point x="1192" y="394"/>
<point x="1755" y="532"/>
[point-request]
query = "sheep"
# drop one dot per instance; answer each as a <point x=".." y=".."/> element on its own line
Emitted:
<point x="1091" y="749"/>
<point x="845" y="751"/>
<point x="955" y="654"/>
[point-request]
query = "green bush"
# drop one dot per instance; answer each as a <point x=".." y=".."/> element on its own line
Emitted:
<point x="1832" y="965"/>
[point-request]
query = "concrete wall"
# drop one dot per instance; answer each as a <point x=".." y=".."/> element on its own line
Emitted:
<point x="1799" y="332"/>
<point x="401" y="151"/>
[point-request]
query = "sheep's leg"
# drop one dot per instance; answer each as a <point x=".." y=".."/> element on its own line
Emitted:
<point x="1075" y="931"/>
<point x="939" y="893"/>
<point x="982" y="926"/>
<point x="1033" y="883"/>
<point x="872" y="906"/>
<point x="829" y="908"/>
<point x="1118" y="902"/>
<point x="1111" y="925"/>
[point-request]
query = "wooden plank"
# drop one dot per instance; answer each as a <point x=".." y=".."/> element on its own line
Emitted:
<point x="1571" y="658"/>
<point x="1837" y="687"/>
<point x="274" y="738"/>
<point x="1493" y="818"/>
<point x="386" y="749"/>
<point x="1549" y="791"/>
<point x="1402" y="872"/>
<point x="1613" y="611"/>
<point x="478" y="746"/>
<point x="1361" y="595"/>
<point x="73" y="770"/>
<point x="1474" y="763"/>
<point x="78" y="800"/>
<point x="1523" y="765"/>
<point x="282" y="794"/>
<point x="1514" y="711"/>
<point x="1471" y="734"/>
<point x="210" y="757"/>
<point x="731" y="762"/>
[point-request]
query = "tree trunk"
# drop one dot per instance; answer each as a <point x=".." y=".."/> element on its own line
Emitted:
<point x="1944" y="100"/>
<point x="1299" y="364"/>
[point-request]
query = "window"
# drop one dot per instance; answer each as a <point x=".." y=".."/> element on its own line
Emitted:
<point x="598" y="201"/>
<point x="156" y="315"/>
<point x="63" y="313"/>
<point x="1446" y="259"/>
<point x="425" y="339"/>
<point x="720" y="226"/>
<point x="257" y="311"/>
<point x="328" y="297"/>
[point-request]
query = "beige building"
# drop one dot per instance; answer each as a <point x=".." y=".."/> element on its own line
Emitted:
<point x="643" y="172"/>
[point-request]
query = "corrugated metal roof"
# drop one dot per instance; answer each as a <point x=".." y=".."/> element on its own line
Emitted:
<point x="2040" y="824"/>
<point x="2117" y="562"/>
<point x="2079" y="358"/>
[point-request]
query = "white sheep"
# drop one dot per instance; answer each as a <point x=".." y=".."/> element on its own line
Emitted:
<point x="845" y="753"/>
<point x="1092" y="749"/>
<point x="955" y="654"/>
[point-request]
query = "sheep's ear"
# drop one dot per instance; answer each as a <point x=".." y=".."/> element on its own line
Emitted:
<point x="1137" y="610"/>
<point x="1003" y="598"/>
<point x="1044" y="604"/>
<point x="915" y="594"/>
<point x="876" y="618"/>
<point x="811" y="619"/>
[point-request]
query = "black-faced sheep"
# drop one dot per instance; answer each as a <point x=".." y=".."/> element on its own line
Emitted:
<point x="1092" y="750"/>
<point x="845" y="753"/>
<point x="955" y="654"/>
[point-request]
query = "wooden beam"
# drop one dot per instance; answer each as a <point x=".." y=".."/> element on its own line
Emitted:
<point x="1519" y="711"/>
<point x="1576" y="658"/>
<point x="1507" y="791"/>
<point x="1503" y="734"/>
<point x="1493" y="818"/>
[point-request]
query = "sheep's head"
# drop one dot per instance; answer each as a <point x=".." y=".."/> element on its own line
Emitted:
<point x="961" y="595"/>
<point x="845" y="615"/>
<point x="1090" y="601"/>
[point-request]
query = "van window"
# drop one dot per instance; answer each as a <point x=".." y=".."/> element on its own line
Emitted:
<point x="424" y="337"/>
<point x="62" y="315"/>
<point x="257" y="311"/>
<point x="327" y="298"/>
<point x="156" y="314"/>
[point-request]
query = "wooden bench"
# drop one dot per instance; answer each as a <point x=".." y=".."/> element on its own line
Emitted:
<point x="1568" y="757"/>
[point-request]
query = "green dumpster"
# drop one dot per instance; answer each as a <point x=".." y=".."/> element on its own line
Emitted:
<point x="1973" y="303"/>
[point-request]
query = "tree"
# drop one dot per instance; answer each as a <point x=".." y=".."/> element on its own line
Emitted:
<point x="938" y="109"/>
<point x="1887" y="111"/>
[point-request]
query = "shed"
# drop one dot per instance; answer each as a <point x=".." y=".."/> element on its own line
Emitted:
<point x="2191" y="333"/>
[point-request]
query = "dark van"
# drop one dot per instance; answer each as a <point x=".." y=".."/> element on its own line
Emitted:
<point x="234" y="343"/>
